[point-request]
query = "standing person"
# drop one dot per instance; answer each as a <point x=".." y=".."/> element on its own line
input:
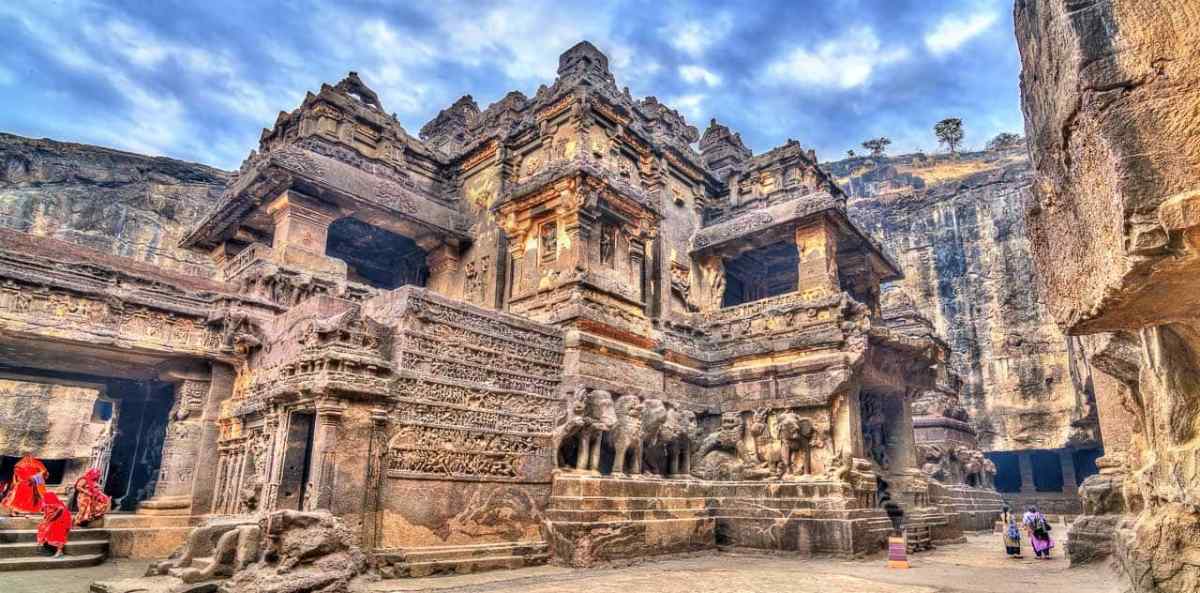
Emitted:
<point x="55" y="525"/>
<point x="1038" y="529"/>
<point x="91" y="501"/>
<point x="28" y="488"/>
<point x="1011" y="533"/>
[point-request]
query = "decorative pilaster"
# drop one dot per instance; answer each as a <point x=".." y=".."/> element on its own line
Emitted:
<point x="181" y="445"/>
<point x="323" y="470"/>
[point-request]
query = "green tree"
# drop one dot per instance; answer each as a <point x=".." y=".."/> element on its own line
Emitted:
<point x="949" y="131"/>
<point x="850" y="154"/>
<point x="877" y="146"/>
<point x="1005" y="140"/>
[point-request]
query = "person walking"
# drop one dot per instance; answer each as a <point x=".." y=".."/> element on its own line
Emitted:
<point x="1011" y="534"/>
<point x="55" y="524"/>
<point x="28" y="487"/>
<point x="1038" y="529"/>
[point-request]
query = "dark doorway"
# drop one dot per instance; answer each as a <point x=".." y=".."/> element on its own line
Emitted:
<point x="1085" y="463"/>
<point x="377" y="257"/>
<point x="761" y="273"/>
<point x="296" y="460"/>
<point x="1008" y="471"/>
<point x="1047" y="471"/>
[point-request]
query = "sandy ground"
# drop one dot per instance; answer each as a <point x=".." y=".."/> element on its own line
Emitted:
<point x="979" y="566"/>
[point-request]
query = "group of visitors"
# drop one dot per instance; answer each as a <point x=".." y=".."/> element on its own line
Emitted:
<point x="27" y="494"/>
<point x="1036" y="527"/>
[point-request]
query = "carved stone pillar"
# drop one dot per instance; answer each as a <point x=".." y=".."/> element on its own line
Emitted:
<point x="301" y="231"/>
<point x="1025" y="463"/>
<point x="443" y="261"/>
<point x="816" y="246"/>
<point x="1070" y="481"/>
<point x="323" y="470"/>
<point x="181" y="446"/>
<point x="204" y="478"/>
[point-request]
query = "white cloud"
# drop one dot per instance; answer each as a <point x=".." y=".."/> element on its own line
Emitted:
<point x="694" y="37"/>
<point x="699" y="74"/>
<point x="953" y="31"/>
<point x="845" y="62"/>
<point x="692" y="106"/>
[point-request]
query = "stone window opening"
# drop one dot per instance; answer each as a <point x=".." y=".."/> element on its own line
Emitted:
<point x="761" y="273"/>
<point x="377" y="257"/>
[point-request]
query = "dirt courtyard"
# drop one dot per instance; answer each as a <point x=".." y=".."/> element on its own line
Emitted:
<point x="979" y="566"/>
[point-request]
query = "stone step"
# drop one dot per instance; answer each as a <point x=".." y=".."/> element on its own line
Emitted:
<point x="48" y="563"/>
<point x="87" y="534"/>
<point x="439" y="553"/>
<point x="464" y="559"/>
<point x="589" y="516"/>
<point x="468" y="566"/>
<point x="74" y="548"/>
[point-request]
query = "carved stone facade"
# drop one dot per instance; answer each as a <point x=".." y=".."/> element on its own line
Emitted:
<point x="588" y="314"/>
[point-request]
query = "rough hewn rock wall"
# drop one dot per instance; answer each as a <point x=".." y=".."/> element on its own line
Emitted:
<point x="127" y="204"/>
<point x="1111" y="95"/>
<point x="956" y="225"/>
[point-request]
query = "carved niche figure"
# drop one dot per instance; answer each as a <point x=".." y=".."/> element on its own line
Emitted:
<point x="874" y="432"/>
<point x="712" y="289"/>
<point x="626" y="435"/>
<point x="608" y="240"/>
<point x="659" y="426"/>
<point x="681" y="284"/>
<point x="935" y="462"/>
<point x="549" y="240"/>
<point x="795" y="435"/>
<point x="726" y="454"/>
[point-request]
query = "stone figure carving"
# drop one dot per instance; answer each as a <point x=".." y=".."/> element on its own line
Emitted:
<point x="989" y="474"/>
<point x="626" y="435"/>
<point x="795" y="434"/>
<point x="934" y="461"/>
<point x="607" y="242"/>
<point x="216" y="549"/>
<point x="679" y="446"/>
<point x="712" y="290"/>
<point x="589" y="415"/>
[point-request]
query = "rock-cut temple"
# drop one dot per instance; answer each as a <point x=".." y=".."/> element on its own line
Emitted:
<point x="567" y="327"/>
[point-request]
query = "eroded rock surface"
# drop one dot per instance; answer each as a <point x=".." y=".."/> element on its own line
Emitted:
<point x="956" y="224"/>
<point x="1111" y="95"/>
<point x="122" y="203"/>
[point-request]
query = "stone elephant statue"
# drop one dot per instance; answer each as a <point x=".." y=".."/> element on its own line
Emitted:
<point x="589" y="415"/>
<point x="625" y="436"/>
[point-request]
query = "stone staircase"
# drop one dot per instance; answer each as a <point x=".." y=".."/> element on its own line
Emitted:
<point x="19" y="549"/>
<point x="466" y="559"/>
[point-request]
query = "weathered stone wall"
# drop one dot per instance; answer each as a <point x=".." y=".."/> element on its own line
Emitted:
<point x="956" y="225"/>
<point x="1111" y="95"/>
<point x="51" y="421"/>
<point x="117" y="202"/>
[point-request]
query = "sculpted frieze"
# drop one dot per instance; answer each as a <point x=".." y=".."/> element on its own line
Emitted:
<point x="456" y="394"/>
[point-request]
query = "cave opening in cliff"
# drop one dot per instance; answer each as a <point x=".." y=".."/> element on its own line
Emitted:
<point x="761" y="273"/>
<point x="1047" y="471"/>
<point x="376" y="256"/>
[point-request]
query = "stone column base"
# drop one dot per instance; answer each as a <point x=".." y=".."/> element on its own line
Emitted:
<point x="166" y="505"/>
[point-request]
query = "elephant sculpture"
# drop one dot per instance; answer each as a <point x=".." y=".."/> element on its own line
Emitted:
<point x="626" y="435"/>
<point x="570" y="425"/>
<point x="590" y="414"/>
<point x="679" y="447"/>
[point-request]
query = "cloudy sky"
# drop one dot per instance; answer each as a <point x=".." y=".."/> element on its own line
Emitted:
<point x="199" y="80"/>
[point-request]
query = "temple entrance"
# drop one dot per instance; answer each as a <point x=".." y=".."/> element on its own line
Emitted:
<point x="72" y="422"/>
<point x="376" y="256"/>
<point x="293" y="483"/>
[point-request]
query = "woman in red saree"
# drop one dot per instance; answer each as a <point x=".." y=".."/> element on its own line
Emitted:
<point x="28" y="486"/>
<point x="91" y="502"/>
<point x="55" y="525"/>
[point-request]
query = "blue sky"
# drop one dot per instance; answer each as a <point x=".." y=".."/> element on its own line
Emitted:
<point x="198" y="81"/>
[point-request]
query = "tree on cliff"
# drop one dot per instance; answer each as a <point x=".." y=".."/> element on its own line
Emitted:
<point x="877" y="146"/>
<point x="850" y="154"/>
<point x="949" y="131"/>
<point x="1005" y="140"/>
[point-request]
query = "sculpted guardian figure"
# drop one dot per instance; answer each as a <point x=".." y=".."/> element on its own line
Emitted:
<point x="600" y="417"/>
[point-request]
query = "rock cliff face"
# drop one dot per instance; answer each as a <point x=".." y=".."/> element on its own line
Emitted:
<point x="118" y="202"/>
<point x="956" y="225"/>
<point x="1111" y="95"/>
